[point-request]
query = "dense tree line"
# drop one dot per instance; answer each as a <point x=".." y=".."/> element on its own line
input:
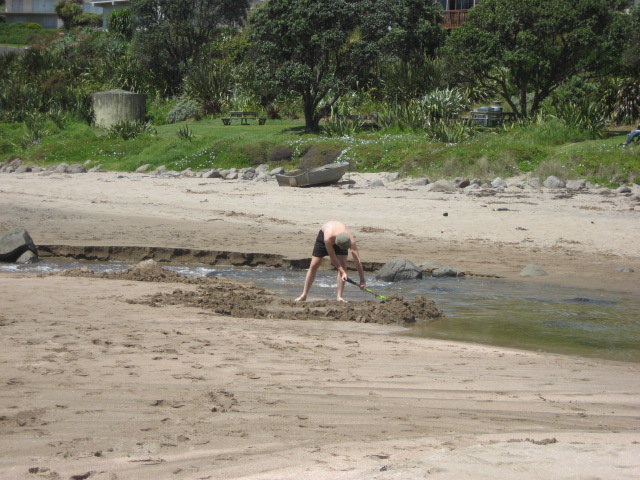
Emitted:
<point x="531" y="54"/>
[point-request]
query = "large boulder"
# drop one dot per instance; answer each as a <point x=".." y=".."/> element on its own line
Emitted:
<point x="554" y="182"/>
<point x="399" y="269"/>
<point x="441" y="186"/>
<point x="15" y="245"/>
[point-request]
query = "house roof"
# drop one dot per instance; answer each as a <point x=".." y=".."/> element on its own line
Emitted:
<point x="106" y="3"/>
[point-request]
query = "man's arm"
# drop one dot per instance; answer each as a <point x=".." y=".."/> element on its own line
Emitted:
<point x="330" y="244"/>
<point x="356" y="258"/>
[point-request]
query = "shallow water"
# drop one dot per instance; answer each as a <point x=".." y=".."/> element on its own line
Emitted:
<point x="590" y="323"/>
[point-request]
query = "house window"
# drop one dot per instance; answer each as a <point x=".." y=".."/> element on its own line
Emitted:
<point x="17" y="6"/>
<point x="459" y="4"/>
<point x="43" y="6"/>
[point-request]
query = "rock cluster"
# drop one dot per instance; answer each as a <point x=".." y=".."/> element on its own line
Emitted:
<point x="265" y="172"/>
<point x="16" y="165"/>
<point x="401" y="269"/>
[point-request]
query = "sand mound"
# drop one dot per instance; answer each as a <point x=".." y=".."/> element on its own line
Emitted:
<point x="226" y="297"/>
<point x="250" y="301"/>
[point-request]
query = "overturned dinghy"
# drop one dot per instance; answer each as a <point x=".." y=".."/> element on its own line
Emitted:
<point x="306" y="177"/>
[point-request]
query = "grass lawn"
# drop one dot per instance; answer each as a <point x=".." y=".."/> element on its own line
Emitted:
<point x="211" y="144"/>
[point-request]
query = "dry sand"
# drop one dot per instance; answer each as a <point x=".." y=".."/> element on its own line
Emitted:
<point x="99" y="383"/>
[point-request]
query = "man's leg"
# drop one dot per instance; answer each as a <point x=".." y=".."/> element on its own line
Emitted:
<point x="631" y="136"/>
<point x="311" y="276"/>
<point x="343" y="263"/>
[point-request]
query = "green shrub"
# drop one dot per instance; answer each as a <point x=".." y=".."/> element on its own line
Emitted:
<point x="444" y="103"/>
<point x="127" y="130"/>
<point x="19" y="33"/>
<point x="627" y="107"/>
<point x="587" y="116"/>
<point x="449" y="131"/>
<point x="402" y="117"/>
<point x="6" y="146"/>
<point x="58" y="116"/>
<point x="184" y="110"/>
<point x="158" y="109"/>
<point x="184" y="133"/>
<point x="120" y="22"/>
<point x="208" y="84"/>
<point x="36" y="130"/>
<point x="91" y="20"/>
<point x="340" y="126"/>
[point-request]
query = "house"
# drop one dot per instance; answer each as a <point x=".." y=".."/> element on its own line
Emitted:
<point x="455" y="11"/>
<point x="108" y="6"/>
<point x="40" y="11"/>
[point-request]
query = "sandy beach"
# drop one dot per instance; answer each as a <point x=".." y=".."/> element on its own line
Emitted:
<point x="109" y="378"/>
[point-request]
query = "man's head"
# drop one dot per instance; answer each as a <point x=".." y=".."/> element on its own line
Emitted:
<point x="343" y="241"/>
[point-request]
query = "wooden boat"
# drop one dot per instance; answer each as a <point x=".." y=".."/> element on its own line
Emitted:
<point x="306" y="177"/>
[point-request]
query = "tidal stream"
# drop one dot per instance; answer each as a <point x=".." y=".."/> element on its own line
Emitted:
<point x="549" y="318"/>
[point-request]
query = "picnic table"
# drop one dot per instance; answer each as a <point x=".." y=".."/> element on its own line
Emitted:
<point x="490" y="119"/>
<point x="244" y="118"/>
<point x="369" y="120"/>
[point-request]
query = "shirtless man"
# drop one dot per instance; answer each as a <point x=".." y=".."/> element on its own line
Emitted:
<point x="334" y="240"/>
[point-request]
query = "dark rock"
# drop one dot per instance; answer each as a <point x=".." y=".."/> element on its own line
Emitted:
<point x="441" y="186"/>
<point x="14" y="244"/>
<point x="576" y="184"/>
<point x="553" y="183"/>
<point x="248" y="173"/>
<point x="625" y="270"/>
<point x="62" y="168"/>
<point x="399" y="269"/>
<point x="498" y="183"/>
<point x="429" y="266"/>
<point x="27" y="257"/>
<point x="213" y="173"/>
<point x="76" y="168"/>
<point x="280" y="153"/>
<point x="445" y="272"/>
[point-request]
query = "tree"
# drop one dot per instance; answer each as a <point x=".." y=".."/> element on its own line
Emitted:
<point x="68" y="11"/>
<point x="120" y="22"/>
<point x="321" y="49"/>
<point x="631" y="56"/>
<point x="627" y="103"/>
<point x="524" y="50"/>
<point x="171" y="33"/>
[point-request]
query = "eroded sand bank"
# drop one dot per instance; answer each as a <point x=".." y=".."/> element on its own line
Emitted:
<point x="101" y="381"/>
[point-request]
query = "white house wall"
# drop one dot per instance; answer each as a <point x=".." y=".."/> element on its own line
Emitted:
<point x="40" y="11"/>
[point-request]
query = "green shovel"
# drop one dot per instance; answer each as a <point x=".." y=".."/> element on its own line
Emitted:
<point x="379" y="297"/>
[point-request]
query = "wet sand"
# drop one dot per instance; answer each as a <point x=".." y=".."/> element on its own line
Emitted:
<point x="101" y="383"/>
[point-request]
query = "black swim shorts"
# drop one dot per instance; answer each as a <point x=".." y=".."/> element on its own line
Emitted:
<point x="320" y="249"/>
